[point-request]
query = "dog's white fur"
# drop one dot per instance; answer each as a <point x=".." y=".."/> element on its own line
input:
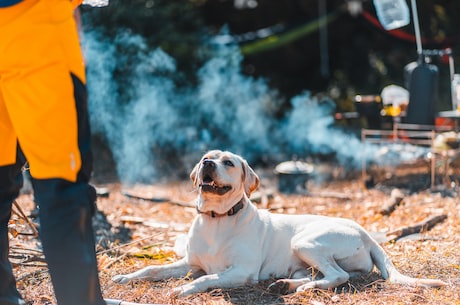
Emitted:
<point x="226" y="250"/>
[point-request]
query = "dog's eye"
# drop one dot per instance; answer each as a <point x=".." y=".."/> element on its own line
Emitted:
<point x="228" y="163"/>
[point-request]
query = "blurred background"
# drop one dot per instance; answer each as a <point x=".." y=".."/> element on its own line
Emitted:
<point x="169" y="80"/>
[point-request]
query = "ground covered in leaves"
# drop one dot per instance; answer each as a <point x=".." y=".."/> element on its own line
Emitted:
<point x="138" y="225"/>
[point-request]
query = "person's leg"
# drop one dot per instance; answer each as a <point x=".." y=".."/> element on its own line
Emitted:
<point x="10" y="184"/>
<point x="11" y="162"/>
<point x="47" y="103"/>
<point x="65" y="212"/>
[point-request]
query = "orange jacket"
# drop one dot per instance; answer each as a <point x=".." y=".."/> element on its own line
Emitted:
<point x="7" y="3"/>
<point x="41" y="64"/>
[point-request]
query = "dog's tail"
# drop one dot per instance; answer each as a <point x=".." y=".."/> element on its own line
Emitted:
<point x="389" y="271"/>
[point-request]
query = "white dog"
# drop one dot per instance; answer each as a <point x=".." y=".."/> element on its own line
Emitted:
<point x="232" y="242"/>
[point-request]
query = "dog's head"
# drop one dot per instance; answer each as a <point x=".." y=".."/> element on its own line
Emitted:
<point x="222" y="179"/>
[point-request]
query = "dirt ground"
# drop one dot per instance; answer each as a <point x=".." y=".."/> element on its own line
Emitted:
<point x="132" y="233"/>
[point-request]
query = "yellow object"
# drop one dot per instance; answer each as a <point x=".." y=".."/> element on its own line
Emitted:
<point x="37" y="103"/>
<point x="391" y="110"/>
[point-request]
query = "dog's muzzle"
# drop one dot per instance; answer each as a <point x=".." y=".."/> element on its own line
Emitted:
<point x="208" y="183"/>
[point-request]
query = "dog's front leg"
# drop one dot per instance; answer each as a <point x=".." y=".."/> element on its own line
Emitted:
<point x="231" y="277"/>
<point x="175" y="270"/>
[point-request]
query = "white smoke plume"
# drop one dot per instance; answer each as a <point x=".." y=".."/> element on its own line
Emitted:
<point x="153" y="126"/>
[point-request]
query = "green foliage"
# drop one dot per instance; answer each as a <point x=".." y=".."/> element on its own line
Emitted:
<point x="174" y="26"/>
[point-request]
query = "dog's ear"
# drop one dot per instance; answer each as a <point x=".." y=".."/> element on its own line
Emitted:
<point x="194" y="174"/>
<point x="250" y="178"/>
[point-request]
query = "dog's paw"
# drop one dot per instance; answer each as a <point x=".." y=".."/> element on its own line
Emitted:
<point x="121" y="279"/>
<point x="306" y="287"/>
<point x="185" y="290"/>
<point x="279" y="287"/>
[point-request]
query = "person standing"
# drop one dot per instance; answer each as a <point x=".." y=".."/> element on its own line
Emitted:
<point x="44" y="121"/>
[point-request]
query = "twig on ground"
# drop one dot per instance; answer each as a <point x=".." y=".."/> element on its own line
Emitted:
<point x="391" y="204"/>
<point x="24" y="256"/>
<point x="156" y="199"/>
<point x="109" y="264"/>
<point x="330" y="194"/>
<point x="25" y="250"/>
<point x="419" y="227"/>
<point x="25" y="264"/>
<point x="127" y="244"/>
<point x="23" y="215"/>
<point x="31" y="274"/>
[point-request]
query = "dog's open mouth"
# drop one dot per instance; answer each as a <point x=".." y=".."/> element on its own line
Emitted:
<point x="209" y="185"/>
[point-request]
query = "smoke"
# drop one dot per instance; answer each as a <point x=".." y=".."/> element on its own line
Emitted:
<point x="312" y="125"/>
<point x="155" y="127"/>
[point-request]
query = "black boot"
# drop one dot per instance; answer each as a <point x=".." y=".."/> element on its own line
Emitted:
<point x="10" y="184"/>
<point x="9" y="295"/>
<point x="66" y="232"/>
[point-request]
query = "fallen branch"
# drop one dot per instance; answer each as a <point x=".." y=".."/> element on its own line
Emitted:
<point x="156" y="199"/>
<point x="25" y="250"/>
<point x="33" y="274"/>
<point x="27" y="257"/>
<point x="141" y="197"/>
<point x="119" y="258"/>
<point x="25" y="264"/>
<point x="330" y="194"/>
<point x="419" y="227"/>
<point x="23" y="259"/>
<point x="391" y="204"/>
<point x="131" y="219"/>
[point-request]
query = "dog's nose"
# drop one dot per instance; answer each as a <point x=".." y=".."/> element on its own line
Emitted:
<point x="208" y="163"/>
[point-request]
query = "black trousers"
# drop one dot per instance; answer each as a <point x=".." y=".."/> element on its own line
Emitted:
<point x="66" y="233"/>
<point x="10" y="182"/>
